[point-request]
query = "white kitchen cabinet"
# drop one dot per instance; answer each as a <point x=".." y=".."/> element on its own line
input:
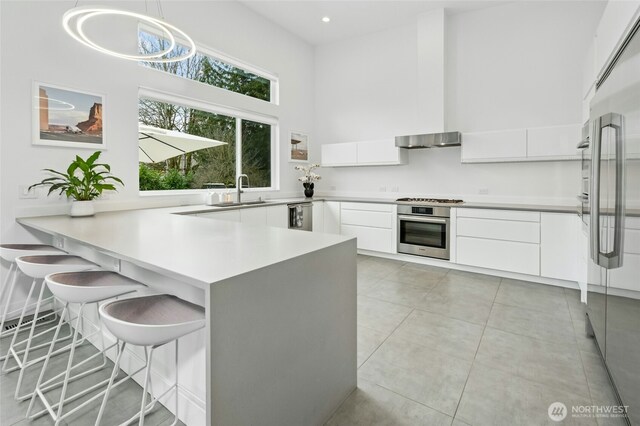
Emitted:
<point x="506" y="240"/>
<point x="559" y="250"/>
<point x="505" y="145"/>
<point x="331" y="217"/>
<point x="230" y="215"/>
<point x="367" y="153"/>
<point x="616" y="21"/>
<point x="559" y="142"/>
<point x="339" y="154"/>
<point x="382" y="152"/>
<point x="277" y="216"/>
<point x="318" y="216"/>
<point x="502" y="255"/>
<point x="374" y="225"/>
<point x="255" y="216"/>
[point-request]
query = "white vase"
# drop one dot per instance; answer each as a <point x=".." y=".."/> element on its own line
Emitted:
<point x="82" y="208"/>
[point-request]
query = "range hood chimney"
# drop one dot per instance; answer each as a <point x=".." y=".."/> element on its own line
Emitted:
<point x="429" y="140"/>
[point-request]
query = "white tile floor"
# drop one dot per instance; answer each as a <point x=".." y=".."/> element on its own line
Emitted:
<point x="444" y="347"/>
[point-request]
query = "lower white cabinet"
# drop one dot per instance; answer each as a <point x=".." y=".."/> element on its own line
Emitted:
<point x="230" y="215"/>
<point x="559" y="251"/>
<point x="255" y="216"/>
<point x="317" y="225"/>
<point x="499" y="239"/>
<point x="509" y="256"/>
<point x="278" y="216"/>
<point x="374" y="225"/>
<point x="331" y="217"/>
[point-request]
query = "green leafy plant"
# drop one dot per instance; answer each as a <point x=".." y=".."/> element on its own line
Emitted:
<point x="84" y="180"/>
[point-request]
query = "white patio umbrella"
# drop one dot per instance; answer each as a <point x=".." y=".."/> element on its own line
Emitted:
<point x="156" y="144"/>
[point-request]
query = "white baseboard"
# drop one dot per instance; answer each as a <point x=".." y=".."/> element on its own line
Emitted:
<point x="191" y="408"/>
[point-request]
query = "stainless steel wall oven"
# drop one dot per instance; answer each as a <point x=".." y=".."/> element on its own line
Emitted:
<point x="424" y="231"/>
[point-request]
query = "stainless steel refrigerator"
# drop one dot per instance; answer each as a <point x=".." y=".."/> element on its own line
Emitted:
<point x="613" y="299"/>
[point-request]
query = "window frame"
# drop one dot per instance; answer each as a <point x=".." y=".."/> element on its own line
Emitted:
<point x="238" y="115"/>
<point x="274" y="89"/>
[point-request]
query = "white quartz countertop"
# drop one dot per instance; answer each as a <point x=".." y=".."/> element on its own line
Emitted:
<point x="200" y="252"/>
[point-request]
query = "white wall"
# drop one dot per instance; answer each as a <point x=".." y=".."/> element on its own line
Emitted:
<point x="508" y="66"/>
<point x="35" y="47"/>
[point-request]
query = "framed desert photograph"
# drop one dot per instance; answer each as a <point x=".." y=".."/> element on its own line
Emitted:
<point x="299" y="147"/>
<point x="67" y="117"/>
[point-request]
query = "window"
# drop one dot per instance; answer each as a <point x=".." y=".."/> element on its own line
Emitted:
<point x="209" y="69"/>
<point x="248" y="149"/>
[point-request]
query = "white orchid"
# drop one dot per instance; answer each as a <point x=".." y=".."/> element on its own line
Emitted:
<point x="309" y="174"/>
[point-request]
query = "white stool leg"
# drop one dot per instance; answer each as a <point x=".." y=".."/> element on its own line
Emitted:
<point x="147" y="378"/>
<point x="17" y="331"/>
<point x="65" y="383"/>
<point x="46" y="360"/>
<point x="28" y="348"/>
<point x="114" y="373"/>
<point x="175" y="421"/>
<point x="7" y="288"/>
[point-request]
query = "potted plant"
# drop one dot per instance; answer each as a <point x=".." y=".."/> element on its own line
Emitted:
<point x="84" y="181"/>
<point x="308" y="178"/>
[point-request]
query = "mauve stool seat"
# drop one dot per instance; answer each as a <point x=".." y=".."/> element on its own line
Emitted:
<point x="152" y="320"/>
<point x="90" y="286"/>
<point x="42" y="265"/>
<point x="9" y="252"/>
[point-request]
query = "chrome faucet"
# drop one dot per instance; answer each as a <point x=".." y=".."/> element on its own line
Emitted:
<point x="239" y="186"/>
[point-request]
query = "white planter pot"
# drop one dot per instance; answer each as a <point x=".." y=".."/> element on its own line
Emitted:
<point x="82" y="208"/>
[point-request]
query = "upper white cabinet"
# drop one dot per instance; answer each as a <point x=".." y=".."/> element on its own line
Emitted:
<point x="554" y="142"/>
<point x="339" y="154"/>
<point x="616" y="21"/>
<point x="503" y="145"/>
<point x="371" y="153"/>
<point x="534" y="144"/>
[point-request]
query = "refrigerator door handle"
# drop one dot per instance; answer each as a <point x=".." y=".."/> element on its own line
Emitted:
<point x="611" y="259"/>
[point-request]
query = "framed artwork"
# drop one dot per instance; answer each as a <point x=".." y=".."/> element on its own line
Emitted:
<point x="67" y="117"/>
<point x="299" y="147"/>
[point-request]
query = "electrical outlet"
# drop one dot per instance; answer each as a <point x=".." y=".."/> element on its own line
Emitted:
<point x="483" y="191"/>
<point x="24" y="192"/>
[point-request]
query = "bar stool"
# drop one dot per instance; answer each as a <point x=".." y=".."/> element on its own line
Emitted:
<point x="149" y="321"/>
<point x="10" y="252"/>
<point x="87" y="287"/>
<point x="38" y="267"/>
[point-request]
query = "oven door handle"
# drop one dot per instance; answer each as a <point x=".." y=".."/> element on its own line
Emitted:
<point x="422" y="219"/>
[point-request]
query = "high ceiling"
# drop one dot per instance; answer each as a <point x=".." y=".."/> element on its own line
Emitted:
<point x="350" y="18"/>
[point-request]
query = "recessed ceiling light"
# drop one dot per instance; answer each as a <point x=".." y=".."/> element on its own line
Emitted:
<point x="326" y="19"/>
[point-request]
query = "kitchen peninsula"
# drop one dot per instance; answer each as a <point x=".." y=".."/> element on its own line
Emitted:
<point x="280" y="342"/>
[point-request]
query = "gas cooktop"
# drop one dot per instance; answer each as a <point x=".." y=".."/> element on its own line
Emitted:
<point x="429" y="201"/>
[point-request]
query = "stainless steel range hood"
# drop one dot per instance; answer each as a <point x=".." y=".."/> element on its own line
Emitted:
<point x="429" y="140"/>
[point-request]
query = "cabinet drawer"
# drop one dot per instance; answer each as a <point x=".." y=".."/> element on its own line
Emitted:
<point x="518" y="215"/>
<point x="376" y="239"/>
<point x="368" y="206"/>
<point x="367" y="218"/>
<point x="502" y="255"/>
<point x="525" y="232"/>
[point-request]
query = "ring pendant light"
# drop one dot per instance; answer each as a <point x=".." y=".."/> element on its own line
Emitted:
<point x="74" y="20"/>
